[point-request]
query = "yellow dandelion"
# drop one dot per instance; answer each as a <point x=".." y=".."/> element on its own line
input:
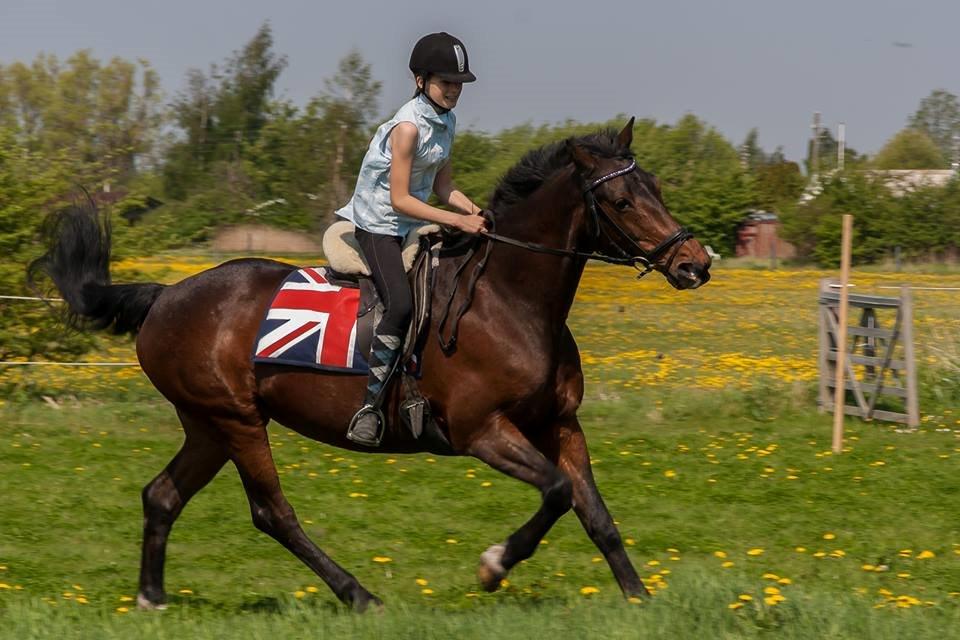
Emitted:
<point x="299" y="594"/>
<point x="126" y="598"/>
<point x="382" y="559"/>
<point x="801" y="549"/>
<point x="755" y="552"/>
<point x="771" y="591"/>
<point x="785" y="581"/>
<point x="422" y="582"/>
<point x="924" y="555"/>
<point x="867" y="567"/>
<point x="734" y="605"/>
<point x="634" y="600"/>
<point x="771" y="576"/>
<point x="122" y="609"/>
<point x="720" y="554"/>
<point x="745" y="597"/>
<point x="670" y="473"/>
<point x="312" y="589"/>
<point x="727" y="564"/>
<point x="486" y="484"/>
<point x="426" y="592"/>
<point x="829" y="536"/>
<point x="773" y="600"/>
<point x="586" y="591"/>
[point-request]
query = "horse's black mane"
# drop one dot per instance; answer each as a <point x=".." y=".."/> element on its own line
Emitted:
<point x="536" y="166"/>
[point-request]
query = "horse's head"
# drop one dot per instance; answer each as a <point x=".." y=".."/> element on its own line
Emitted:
<point x="626" y="216"/>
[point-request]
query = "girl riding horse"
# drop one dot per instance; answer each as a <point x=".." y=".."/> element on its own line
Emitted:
<point x="408" y="158"/>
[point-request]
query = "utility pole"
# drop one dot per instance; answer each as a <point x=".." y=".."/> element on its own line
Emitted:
<point x="815" y="147"/>
<point x="955" y="165"/>
<point x="841" y="144"/>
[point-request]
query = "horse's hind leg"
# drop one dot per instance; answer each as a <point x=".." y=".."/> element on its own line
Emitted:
<point x="569" y="448"/>
<point x="195" y="465"/>
<point x="273" y="515"/>
<point x="504" y="448"/>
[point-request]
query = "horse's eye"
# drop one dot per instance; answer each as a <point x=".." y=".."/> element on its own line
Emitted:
<point x="622" y="204"/>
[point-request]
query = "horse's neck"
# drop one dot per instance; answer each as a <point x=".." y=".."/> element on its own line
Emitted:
<point x="540" y="285"/>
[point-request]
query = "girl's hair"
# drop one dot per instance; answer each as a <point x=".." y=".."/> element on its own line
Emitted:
<point x="426" y="79"/>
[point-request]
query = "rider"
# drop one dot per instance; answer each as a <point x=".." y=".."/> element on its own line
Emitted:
<point x="408" y="158"/>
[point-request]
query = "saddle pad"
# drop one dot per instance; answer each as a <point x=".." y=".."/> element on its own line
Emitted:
<point x="311" y="323"/>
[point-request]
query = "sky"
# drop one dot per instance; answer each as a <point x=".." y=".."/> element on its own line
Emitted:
<point x="736" y="64"/>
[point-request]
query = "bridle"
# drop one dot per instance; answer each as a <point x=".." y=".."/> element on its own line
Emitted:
<point x="635" y="255"/>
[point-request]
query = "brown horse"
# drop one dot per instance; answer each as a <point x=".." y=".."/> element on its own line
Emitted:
<point x="507" y="394"/>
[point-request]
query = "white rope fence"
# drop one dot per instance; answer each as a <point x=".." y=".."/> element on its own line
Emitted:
<point x="46" y="363"/>
<point x="11" y="363"/>
<point x="31" y="298"/>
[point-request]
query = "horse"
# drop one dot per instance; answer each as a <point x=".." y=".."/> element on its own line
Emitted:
<point x="506" y="393"/>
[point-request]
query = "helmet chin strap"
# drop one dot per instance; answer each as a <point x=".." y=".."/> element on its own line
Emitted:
<point x="440" y="110"/>
<point x="423" y="92"/>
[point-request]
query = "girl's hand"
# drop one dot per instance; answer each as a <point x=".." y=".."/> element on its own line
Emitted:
<point x="471" y="224"/>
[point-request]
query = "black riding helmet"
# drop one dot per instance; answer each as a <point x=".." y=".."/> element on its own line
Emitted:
<point x="441" y="55"/>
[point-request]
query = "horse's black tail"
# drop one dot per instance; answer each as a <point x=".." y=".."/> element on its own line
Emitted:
<point x="78" y="262"/>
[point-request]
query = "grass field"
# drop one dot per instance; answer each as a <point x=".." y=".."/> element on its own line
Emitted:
<point x="707" y="447"/>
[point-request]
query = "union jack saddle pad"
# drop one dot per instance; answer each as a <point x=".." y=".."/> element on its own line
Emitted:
<point x="312" y="323"/>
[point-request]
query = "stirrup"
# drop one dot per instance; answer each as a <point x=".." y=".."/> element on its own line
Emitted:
<point x="353" y="437"/>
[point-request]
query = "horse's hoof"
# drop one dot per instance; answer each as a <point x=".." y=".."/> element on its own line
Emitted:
<point x="491" y="571"/>
<point x="145" y="604"/>
<point x="362" y="601"/>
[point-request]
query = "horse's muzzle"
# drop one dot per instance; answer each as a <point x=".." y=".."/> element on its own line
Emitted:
<point x="689" y="275"/>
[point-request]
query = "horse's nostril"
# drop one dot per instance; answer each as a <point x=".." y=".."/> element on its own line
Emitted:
<point x="688" y="270"/>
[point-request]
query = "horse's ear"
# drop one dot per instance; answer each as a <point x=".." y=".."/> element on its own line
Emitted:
<point x="625" y="137"/>
<point x="584" y="162"/>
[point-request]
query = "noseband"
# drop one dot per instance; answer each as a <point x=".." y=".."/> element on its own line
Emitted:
<point x="634" y="255"/>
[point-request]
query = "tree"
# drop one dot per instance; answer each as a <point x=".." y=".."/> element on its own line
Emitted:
<point x="939" y="117"/>
<point x="221" y="113"/>
<point x="350" y="103"/>
<point x="704" y="184"/>
<point x="910" y="149"/>
<point x="109" y="114"/>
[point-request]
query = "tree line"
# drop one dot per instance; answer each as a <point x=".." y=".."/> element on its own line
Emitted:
<point x="224" y="149"/>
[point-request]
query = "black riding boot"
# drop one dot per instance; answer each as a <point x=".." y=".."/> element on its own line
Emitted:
<point x="367" y="425"/>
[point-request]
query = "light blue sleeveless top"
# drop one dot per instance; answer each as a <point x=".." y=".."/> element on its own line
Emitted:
<point x="370" y="207"/>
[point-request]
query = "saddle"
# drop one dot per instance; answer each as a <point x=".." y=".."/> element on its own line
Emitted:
<point x="347" y="268"/>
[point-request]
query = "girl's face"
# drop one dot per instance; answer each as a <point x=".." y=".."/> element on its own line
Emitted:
<point x="444" y="93"/>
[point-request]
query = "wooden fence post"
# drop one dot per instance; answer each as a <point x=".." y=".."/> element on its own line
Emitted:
<point x="906" y="309"/>
<point x="839" y="400"/>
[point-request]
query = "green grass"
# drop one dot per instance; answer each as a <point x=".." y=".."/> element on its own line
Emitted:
<point x="701" y="423"/>
<point x="694" y="482"/>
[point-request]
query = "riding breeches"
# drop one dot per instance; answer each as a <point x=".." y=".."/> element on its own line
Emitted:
<point x="384" y="256"/>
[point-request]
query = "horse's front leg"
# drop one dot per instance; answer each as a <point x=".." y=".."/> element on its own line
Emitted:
<point x="568" y="448"/>
<point x="504" y="448"/>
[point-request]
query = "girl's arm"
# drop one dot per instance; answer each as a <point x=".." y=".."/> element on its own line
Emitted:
<point x="449" y="194"/>
<point x="403" y="143"/>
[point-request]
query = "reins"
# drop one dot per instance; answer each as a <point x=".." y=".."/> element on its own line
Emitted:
<point x="643" y="260"/>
